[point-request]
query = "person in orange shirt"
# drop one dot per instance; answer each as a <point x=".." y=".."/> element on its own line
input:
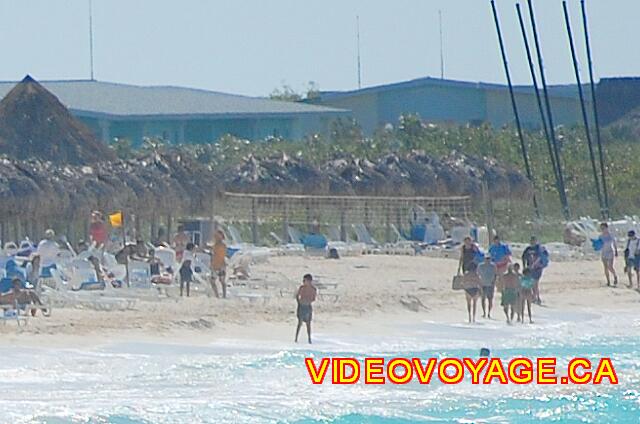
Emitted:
<point x="219" y="264"/>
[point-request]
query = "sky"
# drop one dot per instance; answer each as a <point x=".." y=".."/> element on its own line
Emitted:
<point x="252" y="47"/>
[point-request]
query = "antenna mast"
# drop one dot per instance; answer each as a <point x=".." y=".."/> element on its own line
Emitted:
<point x="358" y="42"/>
<point x="91" y="38"/>
<point x="441" y="46"/>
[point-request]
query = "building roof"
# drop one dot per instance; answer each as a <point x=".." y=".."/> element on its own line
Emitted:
<point x="555" y="90"/>
<point x="125" y="101"/>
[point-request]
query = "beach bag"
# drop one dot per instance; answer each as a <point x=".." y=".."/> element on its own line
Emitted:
<point x="597" y="244"/>
<point x="458" y="282"/>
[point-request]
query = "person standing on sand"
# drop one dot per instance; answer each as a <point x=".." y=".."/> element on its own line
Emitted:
<point x="98" y="229"/>
<point x="472" y="292"/>
<point x="186" y="269"/>
<point x="632" y="258"/>
<point x="305" y="296"/>
<point x="527" y="282"/>
<point x="536" y="258"/>
<point x="500" y="255"/>
<point x="487" y="272"/>
<point x="219" y="264"/>
<point x="468" y="254"/>
<point x="608" y="253"/>
<point x="48" y="251"/>
<point x="180" y="241"/>
<point x="509" y="301"/>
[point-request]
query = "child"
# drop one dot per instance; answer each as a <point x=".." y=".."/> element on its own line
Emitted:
<point x="305" y="296"/>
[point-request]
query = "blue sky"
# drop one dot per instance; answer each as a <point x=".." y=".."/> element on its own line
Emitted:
<point x="253" y="46"/>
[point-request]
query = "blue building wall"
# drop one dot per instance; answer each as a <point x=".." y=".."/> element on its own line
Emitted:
<point x="209" y="130"/>
<point x="451" y="102"/>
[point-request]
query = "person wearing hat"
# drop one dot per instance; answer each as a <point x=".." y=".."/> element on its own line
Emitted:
<point x="487" y="271"/>
<point x="535" y="258"/>
<point x="48" y="251"/>
<point x="632" y="258"/>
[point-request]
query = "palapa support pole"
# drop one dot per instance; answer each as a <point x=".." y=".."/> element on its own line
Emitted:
<point x="343" y="222"/>
<point x="153" y="230"/>
<point x="124" y="244"/>
<point x="254" y="222"/>
<point x="387" y="223"/>
<point x="169" y="229"/>
<point x="285" y="222"/>
<point x="16" y="230"/>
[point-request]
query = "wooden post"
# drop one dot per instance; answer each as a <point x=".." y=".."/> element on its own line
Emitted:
<point x="124" y="244"/>
<point x="366" y="214"/>
<point x="254" y="222"/>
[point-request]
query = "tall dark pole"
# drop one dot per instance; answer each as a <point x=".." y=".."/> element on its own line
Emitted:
<point x="583" y="109"/>
<point x="596" y="121"/>
<point x="552" y="133"/>
<point x="523" y="146"/>
<point x="536" y="89"/>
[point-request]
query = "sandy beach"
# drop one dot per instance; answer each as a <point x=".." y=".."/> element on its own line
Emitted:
<point x="366" y="295"/>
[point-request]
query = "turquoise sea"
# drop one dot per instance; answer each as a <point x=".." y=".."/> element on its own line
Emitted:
<point x="237" y="381"/>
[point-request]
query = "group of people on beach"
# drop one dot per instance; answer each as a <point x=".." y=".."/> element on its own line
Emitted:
<point x="607" y="246"/>
<point x="483" y="273"/>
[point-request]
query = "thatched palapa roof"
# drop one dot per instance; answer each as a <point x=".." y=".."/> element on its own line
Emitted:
<point x="53" y="167"/>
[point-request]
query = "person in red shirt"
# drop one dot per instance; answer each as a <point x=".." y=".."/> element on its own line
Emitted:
<point x="98" y="229"/>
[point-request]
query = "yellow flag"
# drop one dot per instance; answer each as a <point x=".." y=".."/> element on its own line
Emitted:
<point x="115" y="219"/>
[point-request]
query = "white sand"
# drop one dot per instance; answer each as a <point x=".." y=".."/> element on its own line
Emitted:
<point x="375" y="295"/>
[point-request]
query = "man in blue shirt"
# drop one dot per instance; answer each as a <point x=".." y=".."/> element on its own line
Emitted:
<point x="500" y="255"/>
<point x="536" y="258"/>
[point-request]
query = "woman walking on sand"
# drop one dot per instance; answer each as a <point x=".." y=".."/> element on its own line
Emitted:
<point x="608" y="253"/>
<point x="468" y="255"/>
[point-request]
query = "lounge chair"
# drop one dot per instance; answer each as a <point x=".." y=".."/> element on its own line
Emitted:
<point x="344" y="248"/>
<point x="363" y="236"/>
<point x="286" y="248"/>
